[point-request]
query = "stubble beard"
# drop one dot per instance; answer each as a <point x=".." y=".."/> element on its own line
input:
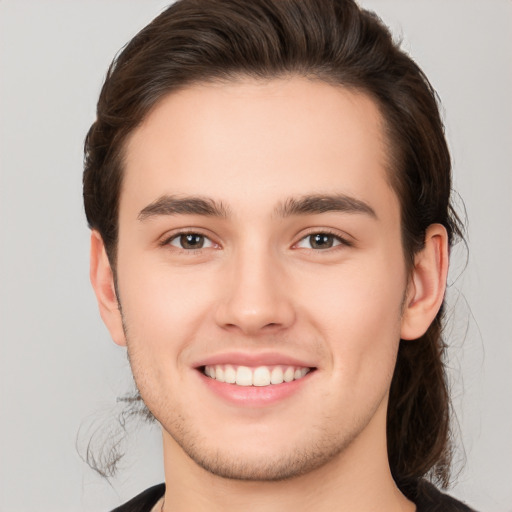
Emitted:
<point x="311" y="453"/>
<point x="293" y="463"/>
<point x="321" y="447"/>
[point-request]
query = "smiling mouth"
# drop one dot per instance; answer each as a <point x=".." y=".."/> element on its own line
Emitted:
<point x="258" y="376"/>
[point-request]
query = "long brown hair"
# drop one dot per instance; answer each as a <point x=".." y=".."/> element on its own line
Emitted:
<point x="331" y="40"/>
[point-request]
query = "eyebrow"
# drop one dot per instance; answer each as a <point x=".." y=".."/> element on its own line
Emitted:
<point x="191" y="205"/>
<point x="303" y="205"/>
<point x="320" y="203"/>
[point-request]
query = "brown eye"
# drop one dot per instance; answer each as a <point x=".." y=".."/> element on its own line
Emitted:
<point x="320" y="241"/>
<point x="191" y="241"/>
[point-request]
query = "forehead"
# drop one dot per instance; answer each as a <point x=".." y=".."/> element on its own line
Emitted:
<point x="253" y="141"/>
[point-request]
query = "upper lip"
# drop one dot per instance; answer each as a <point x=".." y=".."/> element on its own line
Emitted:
<point x="253" y="360"/>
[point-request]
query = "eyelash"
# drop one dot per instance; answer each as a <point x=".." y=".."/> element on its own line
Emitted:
<point x="167" y="241"/>
<point x="335" y="235"/>
<point x="341" y="240"/>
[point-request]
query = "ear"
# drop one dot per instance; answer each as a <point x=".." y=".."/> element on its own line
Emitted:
<point x="427" y="284"/>
<point x="102" y="279"/>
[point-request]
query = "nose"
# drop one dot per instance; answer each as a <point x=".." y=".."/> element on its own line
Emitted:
<point x="256" y="296"/>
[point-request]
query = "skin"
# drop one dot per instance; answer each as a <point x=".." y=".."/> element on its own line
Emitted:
<point x="259" y="286"/>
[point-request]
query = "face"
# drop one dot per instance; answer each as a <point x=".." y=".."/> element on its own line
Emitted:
<point x="261" y="274"/>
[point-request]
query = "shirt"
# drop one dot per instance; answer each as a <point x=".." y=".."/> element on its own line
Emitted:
<point x="426" y="497"/>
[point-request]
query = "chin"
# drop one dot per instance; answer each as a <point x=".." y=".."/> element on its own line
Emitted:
<point x="260" y="463"/>
<point x="262" y="469"/>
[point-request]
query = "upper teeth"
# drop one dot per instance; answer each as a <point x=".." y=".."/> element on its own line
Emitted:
<point x="260" y="376"/>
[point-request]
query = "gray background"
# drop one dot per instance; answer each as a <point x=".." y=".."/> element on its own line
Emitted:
<point x="59" y="371"/>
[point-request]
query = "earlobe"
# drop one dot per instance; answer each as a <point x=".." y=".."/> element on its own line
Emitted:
<point x="427" y="284"/>
<point x="102" y="280"/>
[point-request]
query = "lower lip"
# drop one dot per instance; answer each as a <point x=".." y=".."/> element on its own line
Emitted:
<point x="254" y="396"/>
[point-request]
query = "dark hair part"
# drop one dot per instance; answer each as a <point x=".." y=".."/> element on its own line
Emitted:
<point x="196" y="41"/>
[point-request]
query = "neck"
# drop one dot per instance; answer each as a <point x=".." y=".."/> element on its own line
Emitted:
<point x="356" y="480"/>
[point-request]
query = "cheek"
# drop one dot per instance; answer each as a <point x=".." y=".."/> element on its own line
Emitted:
<point x="163" y="314"/>
<point x="358" y="310"/>
<point x="162" y="309"/>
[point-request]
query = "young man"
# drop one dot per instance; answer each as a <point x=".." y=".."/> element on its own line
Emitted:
<point x="268" y="188"/>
